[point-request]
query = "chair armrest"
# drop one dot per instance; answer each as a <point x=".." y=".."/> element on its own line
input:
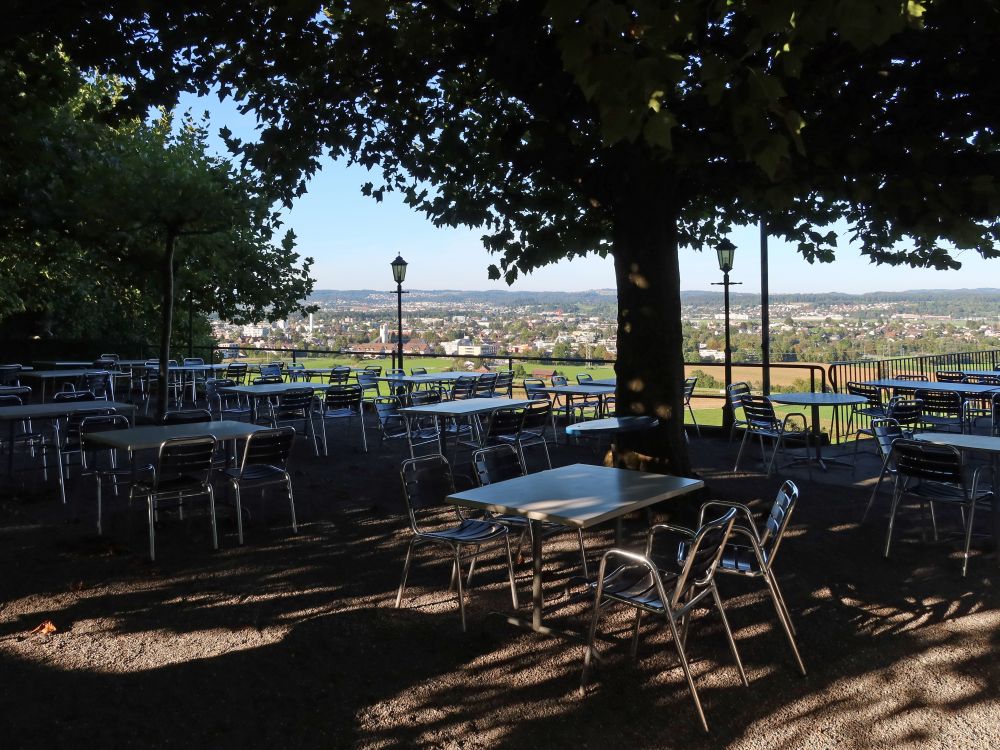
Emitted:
<point x="681" y="530"/>
<point x="790" y="417"/>
<point x="751" y="526"/>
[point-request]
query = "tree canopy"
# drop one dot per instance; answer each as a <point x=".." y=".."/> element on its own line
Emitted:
<point x="564" y="127"/>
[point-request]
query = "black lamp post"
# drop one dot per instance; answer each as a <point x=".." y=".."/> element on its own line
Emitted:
<point x="726" y="250"/>
<point x="399" y="276"/>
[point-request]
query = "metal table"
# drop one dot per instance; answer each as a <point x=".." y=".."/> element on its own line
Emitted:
<point x="579" y="496"/>
<point x="969" y="389"/>
<point x="153" y="436"/>
<point x="46" y="375"/>
<point x="571" y="392"/>
<point x="611" y="425"/>
<point x="814" y="401"/>
<point x="465" y="407"/>
<point x="257" y="392"/>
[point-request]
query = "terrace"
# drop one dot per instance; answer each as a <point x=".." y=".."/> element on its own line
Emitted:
<point x="228" y="644"/>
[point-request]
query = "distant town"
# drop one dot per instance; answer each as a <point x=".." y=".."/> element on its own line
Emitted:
<point x="806" y="328"/>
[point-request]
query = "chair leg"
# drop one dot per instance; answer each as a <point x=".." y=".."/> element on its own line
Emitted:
<point x="772" y="586"/>
<point x="211" y="510"/>
<point x="778" y="445"/>
<point x="458" y="581"/>
<point x="871" y="500"/>
<point x="636" y="624"/>
<point x="687" y="670"/>
<point x="739" y="455"/>
<point x="364" y="434"/>
<point x="510" y="574"/>
<point x="239" y="511"/>
<point x="291" y="503"/>
<point x="588" y="652"/>
<point x="583" y="553"/>
<point x="406" y="572"/>
<point x="326" y="451"/>
<point x="968" y="537"/>
<point x="896" y="495"/>
<point x="729" y="634"/>
<point x="152" y="530"/>
<point x="97" y="476"/>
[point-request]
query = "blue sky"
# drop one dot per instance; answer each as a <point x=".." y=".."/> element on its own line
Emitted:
<point x="353" y="239"/>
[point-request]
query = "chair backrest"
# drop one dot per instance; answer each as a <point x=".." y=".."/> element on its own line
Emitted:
<point x="505" y="383"/>
<point x="759" y="412"/>
<point x="375" y="370"/>
<point x="64" y="396"/>
<point x="886" y="432"/>
<point x="940" y="402"/>
<point x="536" y="415"/>
<point x="907" y="392"/>
<point x="101" y="423"/>
<point x="189" y="458"/>
<point x="982" y="379"/>
<point x="236" y="370"/>
<point x="689" y="384"/>
<point x="531" y="388"/>
<point x="735" y="393"/>
<point x="464" y="387"/>
<point x="112" y="357"/>
<point x="343" y="397"/>
<point x="496" y="464"/>
<point x="105" y="364"/>
<point x="427" y="481"/>
<point x="871" y="392"/>
<point x="295" y="399"/>
<point x="703" y="553"/>
<point x="584" y="377"/>
<point x="426" y="396"/>
<point x="778" y="518"/>
<point x="559" y="380"/>
<point x="418" y="371"/>
<point x="187" y="416"/>
<point x="910" y="376"/>
<point x="485" y="385"/>
<point x="194" y="361"/>
<point x="917" y="459"/>
<point x="949" y="376"/>
<point x="387" y="410"/>
<point x="98" y="383"/>
<point x="270" y="371"/>
<point x="10" y="400"/>
<point x="339" y="375"/>
<point x="268" y="447"/>
<point x="506" y="421"/>
<point x="10" y="374"/>
<point x="906" y="411"/>
<point x="268" y="380"/>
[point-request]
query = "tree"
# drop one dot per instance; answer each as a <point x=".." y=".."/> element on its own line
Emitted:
<point x="86" y="228"/>
<point x="565" y="127"/>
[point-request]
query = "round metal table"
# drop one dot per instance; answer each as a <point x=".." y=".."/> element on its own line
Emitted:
<point x="611" y="425"/>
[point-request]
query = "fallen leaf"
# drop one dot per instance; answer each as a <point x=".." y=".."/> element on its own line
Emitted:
<point x="46" y="628"/>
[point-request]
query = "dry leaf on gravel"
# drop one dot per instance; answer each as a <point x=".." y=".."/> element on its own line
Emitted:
<point x="46" y="628"/>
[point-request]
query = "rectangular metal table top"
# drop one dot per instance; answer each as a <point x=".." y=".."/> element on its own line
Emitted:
<point x="141" y="438"/>
<point x="579" y="495"/>
<point x="465" y="406"/>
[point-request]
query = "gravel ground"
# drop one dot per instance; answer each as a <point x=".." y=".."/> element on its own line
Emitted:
<point x="293" y="640"/>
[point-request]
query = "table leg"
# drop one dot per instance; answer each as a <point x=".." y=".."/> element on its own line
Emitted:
<point x="817" y="435"/>
<point x="995" y="502"/>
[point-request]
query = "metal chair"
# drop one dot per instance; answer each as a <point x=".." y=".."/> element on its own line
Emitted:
<point x="535" y="417"/>
<point x="978" y="406"/>
<point x="237" y="372"/>
<point x="505" y="384"/>
<point x="28" y="437"/>
<point x="223" y="404"/>
<point x="941" y="410"/>
<point x="499" y="463"/>
<point x="734" y="394"/>
<point x="90" y="465"/>
<point x="427" y="481"/>
<point x="343" y="402"/>
<point x="375" y="370"/>
<point x="885" y="432"/>
<point x="292" y="405"/>
<point x="485" y="385"/>
<point x="908" y="393"/>
<point x="464" y="387"/>
<point x="264" y="463"/>
<point x="637" y="582"/>
<point x="935" y="474"/>
<point x="762" y="422"/>
<point x="369" y="386"/>
<point x="183" y="470"/>
<point x="418" y="371"/>
<point x="339" y="375"/>
<point x="268" y="380"/>
<point x="873" y="408"/>
<point x="689" y="385"/>
<point x="753" y="555"/>
<point x="584" y="377"/>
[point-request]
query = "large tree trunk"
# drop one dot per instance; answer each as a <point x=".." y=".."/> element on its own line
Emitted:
<point x="166" y="323"/>
<point x="650" y="366"/>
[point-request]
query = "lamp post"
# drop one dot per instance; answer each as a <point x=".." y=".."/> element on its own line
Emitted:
<point x="399" y="275"/>
<point x="726" y="250"/>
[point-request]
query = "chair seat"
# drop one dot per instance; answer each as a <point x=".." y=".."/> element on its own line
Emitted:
<point x="635" y="585"/>
<point x="470" y="531"/>
<point x="941" y="421"/>
<point x="256" y="473"/>
<point x="946" y="493"/>
<point x="176" y="485"/>
<point x="738" y="558"/>
<point x="339" y="413"/>
<point x="548" y="527"/>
